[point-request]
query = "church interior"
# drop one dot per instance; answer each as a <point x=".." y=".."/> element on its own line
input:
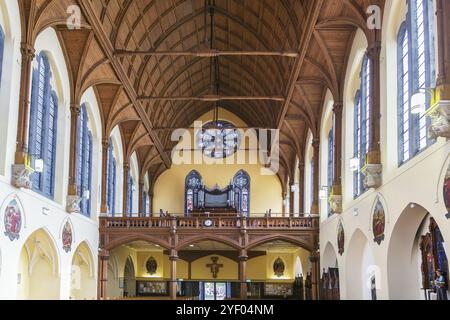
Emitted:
<point x="224" y="149"/>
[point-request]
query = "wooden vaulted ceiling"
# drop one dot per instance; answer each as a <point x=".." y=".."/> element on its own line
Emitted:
<point x="144" y="93"/>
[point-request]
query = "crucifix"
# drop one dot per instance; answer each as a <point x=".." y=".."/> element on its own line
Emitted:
<point x="215" y="267"/>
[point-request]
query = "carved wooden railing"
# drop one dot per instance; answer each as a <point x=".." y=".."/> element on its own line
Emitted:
<point x="180" y="222"/>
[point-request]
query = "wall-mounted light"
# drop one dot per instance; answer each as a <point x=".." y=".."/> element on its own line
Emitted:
<point x="354" y="164"/>
<point x="419" y="100"/>
<point x="293" y="188"/>
<point x="39" y="165"/>
<point x="323" y="193"/>
<point x="356" y="212"/>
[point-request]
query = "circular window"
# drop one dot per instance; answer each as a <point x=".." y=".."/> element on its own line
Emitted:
<point x="218" y="139"/>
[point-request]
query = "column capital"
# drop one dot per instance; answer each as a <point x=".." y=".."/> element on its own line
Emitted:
<point x="75" y="109"/>
<point x="314" y="256"/>
<point x="374" y="49"/>
<point x="301" y="165"/>
<point x="316" y="143"/>
<point x="126" y="165"/>
<point x="338" y="106"/>
<point x="105" y="143"/>
<point x="27" y="50"/>
<point x="103" y="254"/>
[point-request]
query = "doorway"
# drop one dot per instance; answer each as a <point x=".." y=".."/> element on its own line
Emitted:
<point x="215" y="291"/>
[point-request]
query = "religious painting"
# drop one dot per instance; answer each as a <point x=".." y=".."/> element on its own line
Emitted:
<point x="151" y="266"/>
<point x="13" y="220"/>
<point x="278" y="267"/>
<point x="341" y="238"/>
<point x="67" y="237"/>
<point x="447" y="191"/>
<point x="378" y="222"/>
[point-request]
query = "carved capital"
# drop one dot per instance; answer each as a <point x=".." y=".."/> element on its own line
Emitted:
<point x="336" y="203"/>
<point x="105" y="144"/>
<point x="75" y="110"/>
<point x="374" y="50"/>
<point x="27" y="51"/>
<point x="440" y="120"/>
<point x="21" y="176"/>
<point x="373" y="175"/>
<point x="337" y="107"/>
<point x="301" y="166"/>
<point x="73" y="204"/>
<point x="316" y="143"/>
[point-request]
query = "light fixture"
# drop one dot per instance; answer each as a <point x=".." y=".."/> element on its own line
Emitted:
<point x="419" y="100"/>
<point x="355" y="212"/>
<point x="323" y="193"/>
<point x="39" y="165"/>
<point x="293" y="188"/>
<point x="354" y="164"/>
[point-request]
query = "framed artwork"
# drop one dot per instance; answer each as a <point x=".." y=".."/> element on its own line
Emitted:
<point x="341" y="238"/>
<point x="67" y="237"/>
<point x="378" y="222"/>
<point x="447" y="191"/>
<point x="278" y="267"/>
<point x="151" y="266"/>
<point x="13" y="220"/>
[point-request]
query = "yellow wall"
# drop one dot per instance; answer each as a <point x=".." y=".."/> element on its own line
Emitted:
<point x="266" y="191"/>
<point x="255" y="271"/>
<point x="229" y="271"/>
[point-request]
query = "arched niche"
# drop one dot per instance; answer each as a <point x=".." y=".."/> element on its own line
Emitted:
<point x="38" y="274"/>
<point x="359" y="267"/>
<point x="405" y="257"/>
<point x="83" y="280"/>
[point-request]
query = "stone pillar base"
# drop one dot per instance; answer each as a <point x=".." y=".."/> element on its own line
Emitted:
<point x="73" y="204"/>
<point x="440" y="120"/>
<point x="21" y="176"/>
<point x="336" y="203"/>
<point x="372" y="174"/>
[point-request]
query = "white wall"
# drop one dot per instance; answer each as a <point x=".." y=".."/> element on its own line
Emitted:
<point x="37" y="211"/>
<point x="419" y="181"/>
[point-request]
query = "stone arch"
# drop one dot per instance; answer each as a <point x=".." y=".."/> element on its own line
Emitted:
<point x="403" y="255"/>
<point x="155" y="239"/>
<point x="329" y="257"/>
<point x="290" y="239"/>
<point x="192" y="240"/>
<point x="359" y="264"/>
<point x="39" y="268"/>
<point x="129" y="275"/>
<point x="83" y="280"/>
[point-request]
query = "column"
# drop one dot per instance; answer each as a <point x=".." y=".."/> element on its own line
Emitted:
<point x="243" y="257"/>
<point x="373" y="169"/>
<point x="126" y="169"/>
<point x="73" y="198"/>
<point x="336" y="195"/>
<point x="21" y="173"/>
<point x="315" y="200"/>
<point x="439" y="114"/>
<point x="301" y="191"/>
<point x="315" y="274"/>
<point x="173" y="275"/>
<point x="141" y="199"/>
<point x="285" y="197"/>
<point x="103" y="259"/>
<point x="292" y="197"/>
<point x="104" y="198"/>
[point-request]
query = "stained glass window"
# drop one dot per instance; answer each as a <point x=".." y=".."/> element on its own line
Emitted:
<point x="416" y="70"/>
<point x="43" y="127"/>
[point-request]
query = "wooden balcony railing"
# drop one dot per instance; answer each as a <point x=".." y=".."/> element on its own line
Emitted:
<point x="180" y="222"/>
